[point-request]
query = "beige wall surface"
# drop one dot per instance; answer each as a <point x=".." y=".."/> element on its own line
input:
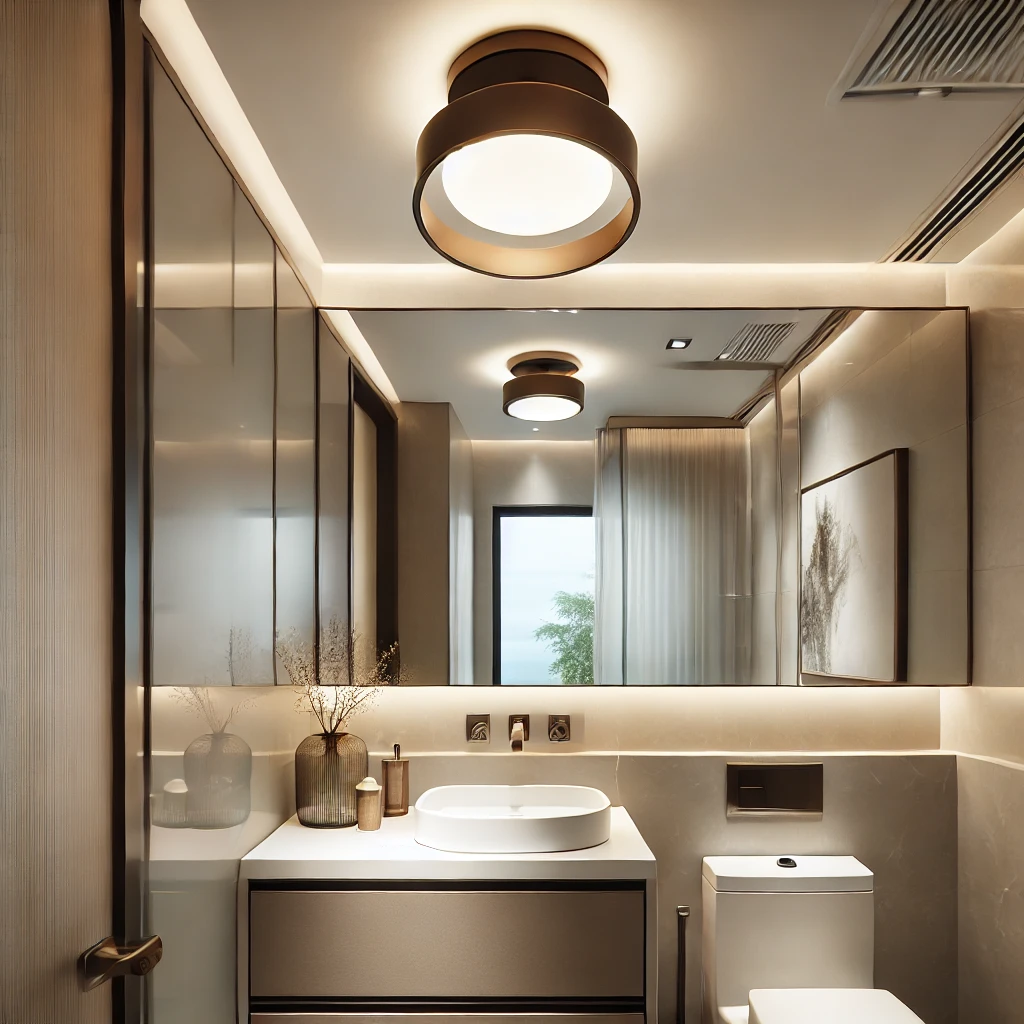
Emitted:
<point x="899" y="379"/>
<point x="55" y="511"/>
<point x="518" y="473"/>
<point x="662" y="718"/>
<point x="424" y="533"/>
<point x="986" y="722"/>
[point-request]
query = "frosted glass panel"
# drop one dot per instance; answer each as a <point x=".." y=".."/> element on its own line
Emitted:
<point x="333" y="479"/>
<point x="295" y="513"/>
<point x="213" y="415"/>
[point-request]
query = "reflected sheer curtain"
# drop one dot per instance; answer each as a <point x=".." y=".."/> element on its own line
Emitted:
<point x="673" y="557"/>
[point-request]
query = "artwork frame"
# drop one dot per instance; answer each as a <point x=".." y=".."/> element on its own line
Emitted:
<point x="854" y="549"/>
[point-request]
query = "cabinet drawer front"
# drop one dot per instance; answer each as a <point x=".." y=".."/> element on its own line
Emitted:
<point x="370" y="944"/>
<point x="448" y="1018"/>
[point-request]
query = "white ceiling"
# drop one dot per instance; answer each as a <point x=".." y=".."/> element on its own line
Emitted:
<point x="742" y="156"/>
<point x="461" y="356"/>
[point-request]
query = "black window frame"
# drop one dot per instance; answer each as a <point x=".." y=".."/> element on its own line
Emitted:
<point x="499" y="512"/>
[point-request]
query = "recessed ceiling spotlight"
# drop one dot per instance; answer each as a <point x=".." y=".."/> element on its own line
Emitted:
<point x="679" y="343"/>
<point x="535" y="429"/>
<point x="544" y="389"/>
<point x="527" y="172"/>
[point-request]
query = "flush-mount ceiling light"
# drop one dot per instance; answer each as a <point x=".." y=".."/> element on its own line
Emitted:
<point x="676" y="343"/>
<point x="527" y="172"/>
<point x="543" y="389"/>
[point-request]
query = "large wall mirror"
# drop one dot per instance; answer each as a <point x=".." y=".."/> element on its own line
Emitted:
<point x="747" y="497"/>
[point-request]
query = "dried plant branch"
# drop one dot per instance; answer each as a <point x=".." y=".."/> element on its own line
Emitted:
<point x="239" y="656"/>
<point x="348" y="678"/>
<point x="199" y="701"/>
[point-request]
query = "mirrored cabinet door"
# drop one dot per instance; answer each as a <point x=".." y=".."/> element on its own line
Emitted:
<point x="194" y="425"/>
<point x="213" y="420"/>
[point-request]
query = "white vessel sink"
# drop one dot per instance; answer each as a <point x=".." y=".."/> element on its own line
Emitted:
<point x="512" y="819"/>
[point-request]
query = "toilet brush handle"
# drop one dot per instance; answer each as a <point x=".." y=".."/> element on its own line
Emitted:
<point x="682" y="916"/>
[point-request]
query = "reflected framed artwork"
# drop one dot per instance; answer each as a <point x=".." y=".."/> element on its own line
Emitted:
<point x="853" y="572"/>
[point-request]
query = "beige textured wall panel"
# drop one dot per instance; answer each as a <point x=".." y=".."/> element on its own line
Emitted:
<point x="991" y="900"/>
<point x="55" y="646"/>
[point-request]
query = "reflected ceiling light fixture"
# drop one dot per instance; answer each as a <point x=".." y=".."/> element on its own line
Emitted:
<point x="544" y="388"/>
<point x="527" y="172"/>
<point x="677" y="343"/>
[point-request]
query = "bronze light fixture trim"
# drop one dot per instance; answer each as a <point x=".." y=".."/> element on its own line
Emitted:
<point x="535" y="83"/>
<point x="544" y="388"/>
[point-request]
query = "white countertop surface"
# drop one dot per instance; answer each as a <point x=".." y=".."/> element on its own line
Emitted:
<point x="294" y="851"/>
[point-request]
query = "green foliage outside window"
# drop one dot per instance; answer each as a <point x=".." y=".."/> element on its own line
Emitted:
<point x="571" y="639"/>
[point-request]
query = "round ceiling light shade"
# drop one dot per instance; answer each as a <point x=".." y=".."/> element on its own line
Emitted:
<point x="543" y="390"/>
<point x="527" y="172"/>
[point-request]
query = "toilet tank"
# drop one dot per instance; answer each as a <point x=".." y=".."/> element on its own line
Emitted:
<point x="771" y="925"/>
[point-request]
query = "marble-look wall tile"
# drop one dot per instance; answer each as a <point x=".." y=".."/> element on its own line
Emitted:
<point x="997" y="356"/>
<point x="999" y="627"/>
<point x="999" y="487"/>
<point x="985" y="720"/>
<point x="991" y="900"/>
<point x="897" y="813"/>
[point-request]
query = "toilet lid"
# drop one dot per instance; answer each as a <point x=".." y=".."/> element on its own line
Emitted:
<point x="828" y="1006"/>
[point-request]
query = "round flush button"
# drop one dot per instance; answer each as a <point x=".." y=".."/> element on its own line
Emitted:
<point x="786" y="862"/>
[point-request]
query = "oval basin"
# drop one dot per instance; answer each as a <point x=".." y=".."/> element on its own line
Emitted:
<point x="512" y="819"/>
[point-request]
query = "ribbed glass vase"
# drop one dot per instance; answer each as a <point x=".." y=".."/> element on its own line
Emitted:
<point x="327" y="768"/>
<point x="218" y="772"/>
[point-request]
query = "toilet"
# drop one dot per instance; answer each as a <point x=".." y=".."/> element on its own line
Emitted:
<point x="791" y="940"/>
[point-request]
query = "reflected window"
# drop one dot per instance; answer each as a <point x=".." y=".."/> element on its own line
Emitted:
<point x="543" y="566"/>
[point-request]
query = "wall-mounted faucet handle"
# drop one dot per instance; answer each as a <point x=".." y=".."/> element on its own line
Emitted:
<point x="478" y="728"/>
<point x="518" y="731"/>
<point x="559" y="730"/>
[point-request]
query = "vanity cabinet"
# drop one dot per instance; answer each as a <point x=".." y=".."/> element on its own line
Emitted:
<point x="489" y="948"/>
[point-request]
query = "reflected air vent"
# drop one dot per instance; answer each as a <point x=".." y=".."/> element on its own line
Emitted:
<point x="756" y="343"/>
<point x="1005" y="161"/>
<point x="942" y="46"/>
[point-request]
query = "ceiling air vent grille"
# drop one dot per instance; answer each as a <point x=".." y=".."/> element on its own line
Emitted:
<point x="948" y="45"/>
<point x="756" y="343"/>
<point x="1006" y="160"/>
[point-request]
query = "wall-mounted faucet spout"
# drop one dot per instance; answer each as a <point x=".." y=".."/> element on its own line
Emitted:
<point x="517" y="737"/>
<point x="518" y="731"/>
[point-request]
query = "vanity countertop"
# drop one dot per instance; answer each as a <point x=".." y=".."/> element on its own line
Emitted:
<point x="294" y="851"/>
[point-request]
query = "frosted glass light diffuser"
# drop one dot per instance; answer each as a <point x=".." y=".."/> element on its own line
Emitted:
<point x="526" y="184"/>
<point x="543" y="408"/>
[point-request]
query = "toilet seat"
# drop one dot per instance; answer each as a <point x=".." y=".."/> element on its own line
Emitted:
<point x="828" y="1006"/>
